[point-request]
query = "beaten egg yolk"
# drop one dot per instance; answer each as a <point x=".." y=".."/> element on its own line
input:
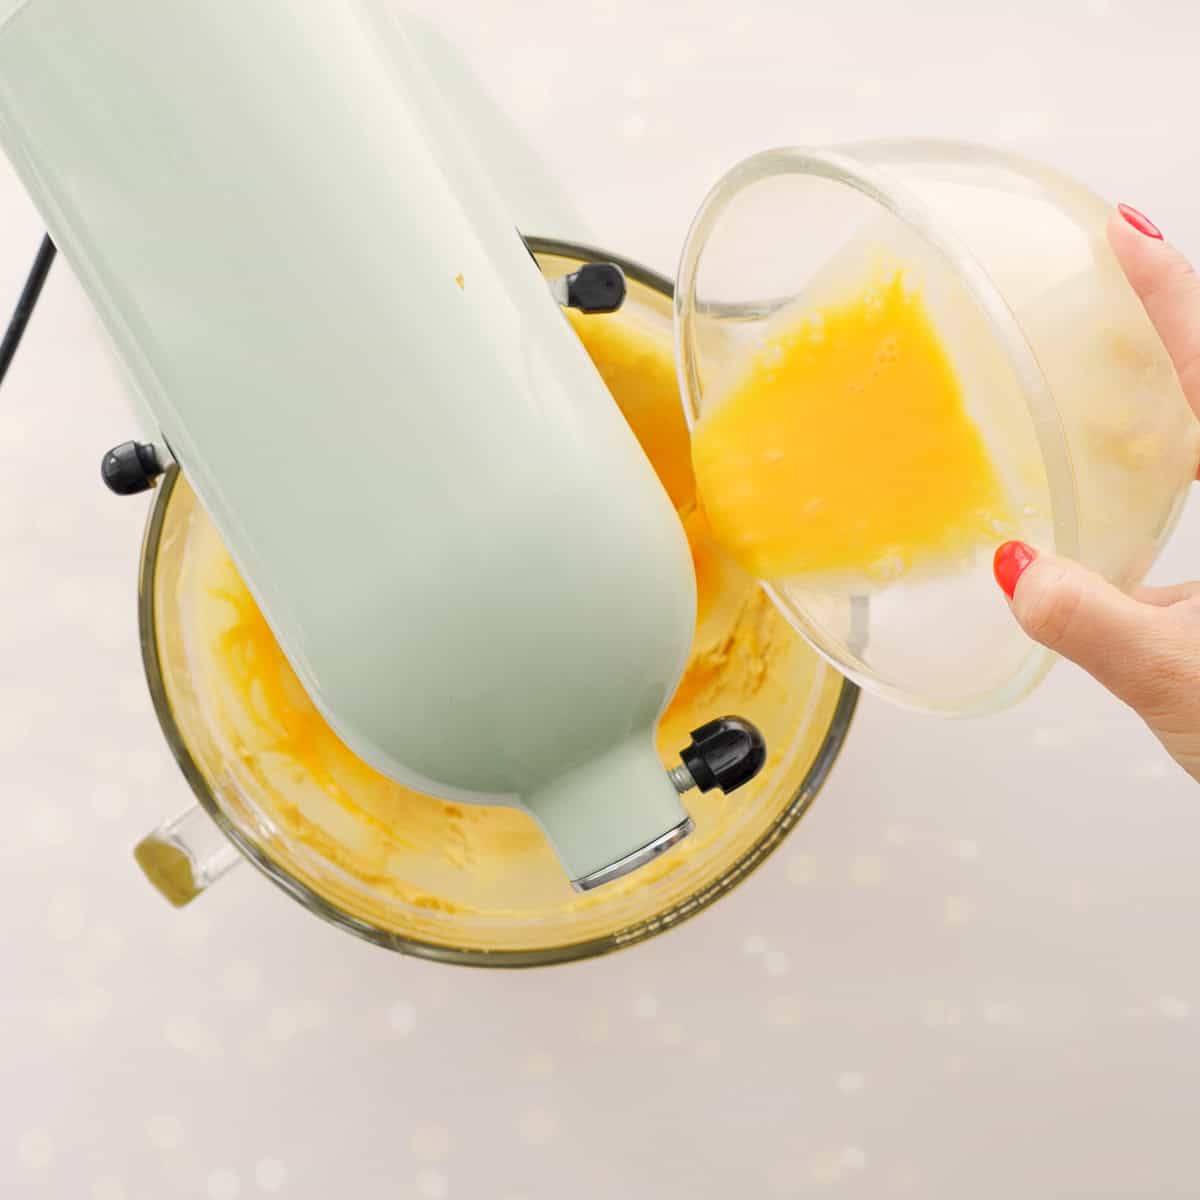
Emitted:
<point x="846" y="446"/>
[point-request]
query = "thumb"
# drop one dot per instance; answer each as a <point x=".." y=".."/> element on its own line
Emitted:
<point x="1168" y="288"/>
<point x="1076" y="613"/>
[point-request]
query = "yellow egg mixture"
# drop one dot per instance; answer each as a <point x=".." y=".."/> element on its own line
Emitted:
<point x="415" y="852"/>
<point x="845" y="446"/>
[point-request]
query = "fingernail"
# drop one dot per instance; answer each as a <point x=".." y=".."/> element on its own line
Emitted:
<point x="1009" y="565"/>
<point x="1139" y="221"/>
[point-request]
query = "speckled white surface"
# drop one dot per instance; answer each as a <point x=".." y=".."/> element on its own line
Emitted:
<point x="971" y="972"/>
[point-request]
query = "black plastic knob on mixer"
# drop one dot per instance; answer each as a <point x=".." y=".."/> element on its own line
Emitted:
<point x="725" y="753"/>
<point x="597" y="287"/>
<point x="130" y="468"/>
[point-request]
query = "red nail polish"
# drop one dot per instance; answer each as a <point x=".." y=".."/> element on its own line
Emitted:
<point x="1009" y="565"/>
<point x="1140" y="221"/>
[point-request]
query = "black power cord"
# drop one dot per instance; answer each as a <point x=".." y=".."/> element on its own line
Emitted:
<point x="26" y="304"/>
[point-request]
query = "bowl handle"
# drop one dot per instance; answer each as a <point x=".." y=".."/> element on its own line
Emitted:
<point x="186" y="856"/>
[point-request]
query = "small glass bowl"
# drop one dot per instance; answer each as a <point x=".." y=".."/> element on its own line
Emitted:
<point x="1061" y="370"/>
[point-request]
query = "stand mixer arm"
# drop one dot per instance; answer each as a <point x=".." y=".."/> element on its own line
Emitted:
<point x="448" y="525"/>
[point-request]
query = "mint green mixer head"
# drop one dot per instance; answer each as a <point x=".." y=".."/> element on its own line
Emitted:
<point x="344" y="342"/>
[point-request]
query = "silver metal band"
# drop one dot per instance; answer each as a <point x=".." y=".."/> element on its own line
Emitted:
<point x="639" y="858"/>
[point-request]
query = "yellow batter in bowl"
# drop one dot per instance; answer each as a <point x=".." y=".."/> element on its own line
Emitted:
<point x="467" y="877"/>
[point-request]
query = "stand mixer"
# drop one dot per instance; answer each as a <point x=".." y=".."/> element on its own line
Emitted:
<point x="359" y="373"/>
<point x="347" y="349"/>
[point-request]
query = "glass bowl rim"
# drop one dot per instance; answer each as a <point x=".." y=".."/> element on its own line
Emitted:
<point x="765" y="844"/>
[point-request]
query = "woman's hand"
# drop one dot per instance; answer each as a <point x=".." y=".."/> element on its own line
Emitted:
<point x="1144" y="648"/>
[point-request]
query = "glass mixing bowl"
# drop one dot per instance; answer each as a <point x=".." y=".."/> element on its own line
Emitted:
<point x="1060" y="369"/>
<point x="466" y="885"/>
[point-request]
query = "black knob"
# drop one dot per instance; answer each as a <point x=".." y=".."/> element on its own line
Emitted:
<point x="724" y="754"/>
<point x="130" y="468"/>
<point x="596" y="288"/>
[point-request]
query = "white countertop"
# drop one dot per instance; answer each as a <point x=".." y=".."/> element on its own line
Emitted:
<point x="972" y="971"/>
